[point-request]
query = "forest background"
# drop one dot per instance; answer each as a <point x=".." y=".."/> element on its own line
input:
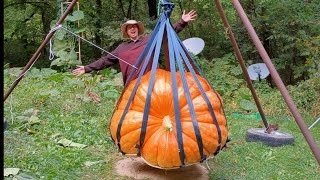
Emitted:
<point x="289" y="31"/>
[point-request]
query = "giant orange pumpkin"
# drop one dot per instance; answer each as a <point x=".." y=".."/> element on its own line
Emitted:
<point x="160" y="148"/>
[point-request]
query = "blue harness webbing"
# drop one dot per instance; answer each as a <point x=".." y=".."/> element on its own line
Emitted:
<point x="179" y="58"/>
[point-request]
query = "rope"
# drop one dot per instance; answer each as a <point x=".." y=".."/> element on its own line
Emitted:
<point x="60" y="26"/>
<point x="11" y="109"/>
<point x="314" y="123"/>
<point x="22" y="75"/>
<point x="227" y="30"/>
<point x="51" y="54"/>
<point x="208" y="165"/>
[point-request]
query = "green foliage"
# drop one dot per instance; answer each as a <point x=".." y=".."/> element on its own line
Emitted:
<point x="49" y="106"/>
<point x="224" y="73"/>
<point x="247" y="105"/>
<point x="305" y="96"/>
<point x="64" y="44"/>
<point x="25" y="27"/>
<point x="289" y="31"/>
<point x="76" y="16"/>
<point x="306" y="93"/>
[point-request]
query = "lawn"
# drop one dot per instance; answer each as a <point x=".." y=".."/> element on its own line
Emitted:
<point x="58" y="129"/>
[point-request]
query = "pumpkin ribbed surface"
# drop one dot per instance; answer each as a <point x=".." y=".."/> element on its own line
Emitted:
<point x="160" y="146"/>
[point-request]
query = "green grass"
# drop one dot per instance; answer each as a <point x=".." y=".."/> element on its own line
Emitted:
<point x="62" y="109"/>
<point x="254" y="160"/>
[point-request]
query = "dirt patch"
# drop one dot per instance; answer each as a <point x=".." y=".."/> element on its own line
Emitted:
<point x="136" y="168"/>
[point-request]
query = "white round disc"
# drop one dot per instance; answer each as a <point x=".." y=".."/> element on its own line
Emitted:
<point x="256" y="70"/>
<point x="194" y="45"/>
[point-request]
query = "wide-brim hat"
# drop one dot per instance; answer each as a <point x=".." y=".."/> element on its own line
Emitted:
<point x="131" y="22"/>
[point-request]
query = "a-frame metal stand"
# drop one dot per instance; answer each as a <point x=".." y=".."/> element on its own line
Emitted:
<point x="274" y="74"/>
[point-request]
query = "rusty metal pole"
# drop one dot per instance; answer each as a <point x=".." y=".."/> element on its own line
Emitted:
<point x="37" y="53"/>
<point x="275" y="76"/>
<point x="241" y="61"/>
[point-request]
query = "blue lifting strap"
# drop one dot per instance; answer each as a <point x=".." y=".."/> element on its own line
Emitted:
<point x="179" y="58"/>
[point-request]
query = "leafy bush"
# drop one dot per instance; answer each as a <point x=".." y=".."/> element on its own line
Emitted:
<point x="306" y="95"/>
<point x="64" y="44"/>
<point x="224" y="74"/>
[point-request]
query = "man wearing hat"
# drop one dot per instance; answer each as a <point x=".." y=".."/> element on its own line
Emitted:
<point x="128" y="52"/>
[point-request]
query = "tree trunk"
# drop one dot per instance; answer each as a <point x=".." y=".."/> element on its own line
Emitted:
<point x="152" y="5"/>
<point x="97" y="52"/>
<point x="45" y="17"/>
<point x="121" y="7"/>
<point x="129" y="12"/>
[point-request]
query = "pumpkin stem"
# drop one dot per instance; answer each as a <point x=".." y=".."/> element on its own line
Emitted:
<point x="167" y="124"/>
